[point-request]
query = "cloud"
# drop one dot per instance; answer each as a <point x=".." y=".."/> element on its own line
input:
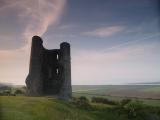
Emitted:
<point x="35" y="16"/>
<point x="48" y="13"/>
<point x="67" y="27"/>
<point x="105" y="31"/>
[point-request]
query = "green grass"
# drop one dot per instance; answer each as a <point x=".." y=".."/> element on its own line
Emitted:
<point x="38" y="108"/>
<point x="41" y="108"/>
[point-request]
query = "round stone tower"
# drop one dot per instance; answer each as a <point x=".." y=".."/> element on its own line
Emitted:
<point x="65" y="62"/>
<point x="34" y="79"/>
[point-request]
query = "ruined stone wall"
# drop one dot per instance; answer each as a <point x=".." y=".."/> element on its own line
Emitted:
<point x="49" y="70"/>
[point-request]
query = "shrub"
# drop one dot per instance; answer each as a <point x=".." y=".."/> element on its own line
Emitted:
<point x="103" y="100"/>
<point x="6" y="92"/>
<point x="18" y="91"/>
<point x="135" y="109"/>
<point x="82" y="102"/>
<point x="125" y="101"/>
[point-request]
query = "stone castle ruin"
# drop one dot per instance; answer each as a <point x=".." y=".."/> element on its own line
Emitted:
<point x="49" y="70"/>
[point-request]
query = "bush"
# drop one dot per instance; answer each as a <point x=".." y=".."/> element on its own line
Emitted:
<point x="18" y="91"/>
<point x="82" y="102"/>
<point x="135" y="109"/>
<point x="5" y="92"/>
<point x="125" y="101"/>
<point x="103" y="100"/>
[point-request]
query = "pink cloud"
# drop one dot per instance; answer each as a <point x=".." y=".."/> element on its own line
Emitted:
<point x="37" y="16"/>
<point x="105" y="31"/>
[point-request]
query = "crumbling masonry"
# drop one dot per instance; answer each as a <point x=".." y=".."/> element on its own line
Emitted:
<point x="49" y="71"/>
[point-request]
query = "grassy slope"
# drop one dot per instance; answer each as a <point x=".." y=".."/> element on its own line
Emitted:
<point x="39" y="108"/>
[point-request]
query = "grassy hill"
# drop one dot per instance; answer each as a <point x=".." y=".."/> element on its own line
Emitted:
<point x="43" y="108"/>
<point x="40" y="108"/>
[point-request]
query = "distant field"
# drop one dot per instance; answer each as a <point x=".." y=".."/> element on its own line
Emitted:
<point x="155" y="89"/>
<point x="150" y="94"/>
<point x="140" y="91"/>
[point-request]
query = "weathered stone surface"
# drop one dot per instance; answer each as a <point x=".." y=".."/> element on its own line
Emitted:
<point x="49" y="70"/>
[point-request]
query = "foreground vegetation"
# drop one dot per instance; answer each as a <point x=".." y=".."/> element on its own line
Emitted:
<point x="42" y="108"/>
<point x="88" y="103"/>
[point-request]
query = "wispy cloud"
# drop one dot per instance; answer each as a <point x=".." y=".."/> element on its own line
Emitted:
<point x="105" y="31"/>
<point x="136" y="41"/>
<point x="48" y="13"/>
<point x="37" y="15"/>
<point x="67" y="27"/>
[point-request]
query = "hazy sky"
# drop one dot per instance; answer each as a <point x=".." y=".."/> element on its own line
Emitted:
<point x="112" y="41"/>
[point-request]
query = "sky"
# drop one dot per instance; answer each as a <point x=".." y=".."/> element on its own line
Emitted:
<point x="112" y="41"/>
